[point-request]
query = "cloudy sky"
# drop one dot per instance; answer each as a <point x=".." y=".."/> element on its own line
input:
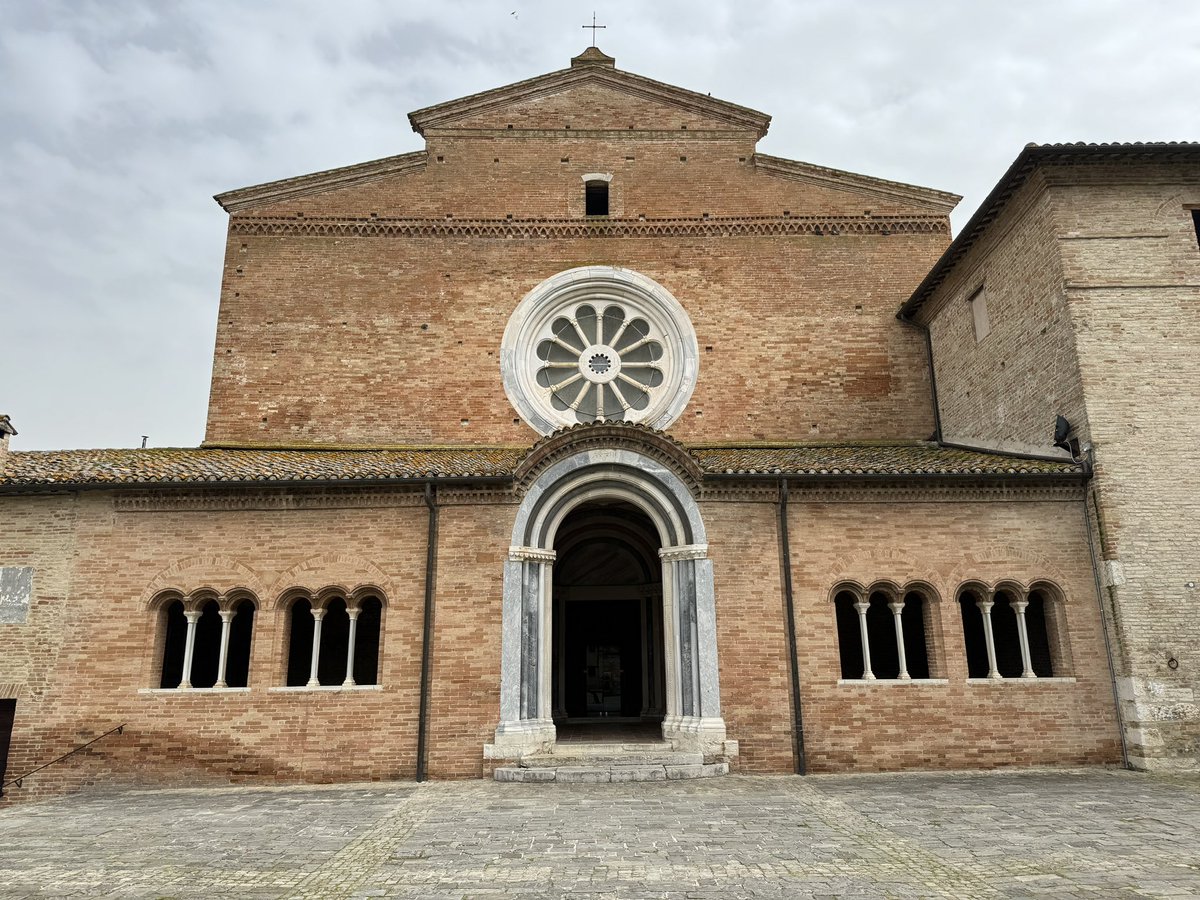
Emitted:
<point x="120" y="120"/>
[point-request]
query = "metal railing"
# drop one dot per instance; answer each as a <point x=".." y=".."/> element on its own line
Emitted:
<point x="21" y="778"/>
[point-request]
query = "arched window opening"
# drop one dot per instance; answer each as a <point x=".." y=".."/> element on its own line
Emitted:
<point x="237" y="654"/>
<point x="595" y="197"/>
<point x="335" y="640"/>
<point x="366" y="644"/>
<point x="916" y="644"/>
<point x="174" y="644"/>
<point x="849" y="639"/>
<point x="1039" y="635"/>
<point x="300" y="641"/>
<point x="974" y="638"/>
<point x="881" y="633"/>
<point x="882" y="638"/>
<point x="206" y="647"/>
<point x="1006" y="636"/>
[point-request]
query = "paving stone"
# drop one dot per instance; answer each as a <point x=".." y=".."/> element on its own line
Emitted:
<point x="1092" y="834"/>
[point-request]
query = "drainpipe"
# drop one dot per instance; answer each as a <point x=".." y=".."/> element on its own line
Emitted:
<point x="1088" y="491"/>
<point x="785" y="559"/>
<point x="427" y="629"/>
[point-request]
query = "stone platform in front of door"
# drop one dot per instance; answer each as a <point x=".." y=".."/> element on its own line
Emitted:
<point x="615" y="757"/>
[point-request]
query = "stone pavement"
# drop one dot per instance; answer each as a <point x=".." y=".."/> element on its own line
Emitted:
<point x="1095" y="833"/>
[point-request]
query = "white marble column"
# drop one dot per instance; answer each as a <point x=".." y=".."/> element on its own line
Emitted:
<point x="189" y="645"/>
<point x="352" y="612"/>
<point x="226" y="618"/>
<point x="985" y="610"/>
<point x="861" y="607"/>
<point x="318" y="615"/>
<point x="1018" y="607"/>
<point x="897" y="608"/>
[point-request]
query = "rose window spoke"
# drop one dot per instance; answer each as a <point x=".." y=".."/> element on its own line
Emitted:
<point x="617" y="362"/>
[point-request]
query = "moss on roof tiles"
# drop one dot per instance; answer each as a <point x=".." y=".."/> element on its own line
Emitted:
<point x="870" y="458"/>
<point x="214" y="465"/>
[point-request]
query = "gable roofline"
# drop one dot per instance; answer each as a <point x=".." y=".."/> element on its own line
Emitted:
<point x="588" y="68"/>
<point x="940" y="201"/>
<point x="1029" y="159"/>
<point x="317" y="182"/>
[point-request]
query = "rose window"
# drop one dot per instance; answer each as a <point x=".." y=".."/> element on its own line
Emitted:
<point x="598" y="344"/>
<point x="600" y="365"/>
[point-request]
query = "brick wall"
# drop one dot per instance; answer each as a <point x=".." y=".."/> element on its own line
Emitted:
<point x="109" y="642"/>
<point x="1093" y="283"/>
<point x="395" y="338"/>
<point x="1132" y="284"/>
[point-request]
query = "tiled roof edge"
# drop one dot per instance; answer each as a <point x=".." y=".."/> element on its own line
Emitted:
<point x="1011" y="181"/>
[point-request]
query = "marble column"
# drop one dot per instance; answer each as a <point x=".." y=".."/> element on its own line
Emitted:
<point x="897" y="608"/>
<point x="318" y="615"/>
<point x="352" y="612"/>
<point x="1018" y="607"/>
<point x="861" y="607"/>
<point x="985" y="609"/>
<point x="189" y="646"/>
<point x="226" y="618"/>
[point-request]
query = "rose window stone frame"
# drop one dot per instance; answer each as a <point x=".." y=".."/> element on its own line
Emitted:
<point x="599" y="343"/>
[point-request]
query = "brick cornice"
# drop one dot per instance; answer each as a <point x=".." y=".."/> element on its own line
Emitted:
<point x="713" y="226"/>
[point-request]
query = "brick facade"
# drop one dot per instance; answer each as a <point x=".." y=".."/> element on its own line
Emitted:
<point x="366" y="306"/>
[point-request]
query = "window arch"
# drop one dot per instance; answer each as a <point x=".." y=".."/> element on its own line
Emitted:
<point x="206" y="640"/>
<point x="334" y="641"/>
<point x="1011" y="631"/>
<point x="882" y="633"/>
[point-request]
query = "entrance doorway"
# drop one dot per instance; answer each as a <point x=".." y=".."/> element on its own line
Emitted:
<point x="608" y="667"/>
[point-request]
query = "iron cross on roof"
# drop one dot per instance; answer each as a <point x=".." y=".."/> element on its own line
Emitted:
<point x="594" y="28"/>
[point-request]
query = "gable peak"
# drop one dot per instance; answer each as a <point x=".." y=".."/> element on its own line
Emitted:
<point x="593" y="56"/>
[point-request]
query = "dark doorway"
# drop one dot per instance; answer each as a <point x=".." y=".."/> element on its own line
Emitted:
<point x="8" y="712"/>
<point x="603" y="659"/>
<point x="608" y="635"/>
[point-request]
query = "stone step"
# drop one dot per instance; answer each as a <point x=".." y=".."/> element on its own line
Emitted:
<point x="603" y="774"/>
<point x="600" y="759"/>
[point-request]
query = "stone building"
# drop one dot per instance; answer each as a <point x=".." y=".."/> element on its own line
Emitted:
<point x="587" y="442"/>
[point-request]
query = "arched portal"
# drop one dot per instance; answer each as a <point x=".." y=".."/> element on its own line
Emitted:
<point x="598" y="476"/>
<point x="607" y="653"/>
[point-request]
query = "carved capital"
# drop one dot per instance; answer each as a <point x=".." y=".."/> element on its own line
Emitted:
<point x="685" y="551"/>
<point x="531" y="554"/>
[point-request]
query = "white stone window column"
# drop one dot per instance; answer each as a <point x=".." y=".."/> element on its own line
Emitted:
<point x="897" y="608"/>
<point x="318" y="615"/>
<point x="861" y="607"/>
<point x="1023" y="633"/>
<point x="226" y="618"/>
<point x="352" y="612"/>
<point x="189" y="644"/>
<point x="985" y="610"/>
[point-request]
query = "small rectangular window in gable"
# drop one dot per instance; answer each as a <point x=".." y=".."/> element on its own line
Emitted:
<point x="979" y="314"/>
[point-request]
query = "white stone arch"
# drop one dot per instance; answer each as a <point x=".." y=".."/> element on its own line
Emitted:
<point x="693" y="715"/>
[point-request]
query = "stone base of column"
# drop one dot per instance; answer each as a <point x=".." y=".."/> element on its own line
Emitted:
<point x="521" y="738"/>
<point x="696" y="734"/>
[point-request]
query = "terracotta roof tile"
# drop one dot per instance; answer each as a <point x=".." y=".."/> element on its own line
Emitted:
<point x="870" y="459"/>
<point x="214" y="465"/>
<point x="204" y="465"/>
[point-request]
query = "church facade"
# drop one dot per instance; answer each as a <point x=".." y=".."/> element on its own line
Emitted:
<point x="591" y="423"/>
